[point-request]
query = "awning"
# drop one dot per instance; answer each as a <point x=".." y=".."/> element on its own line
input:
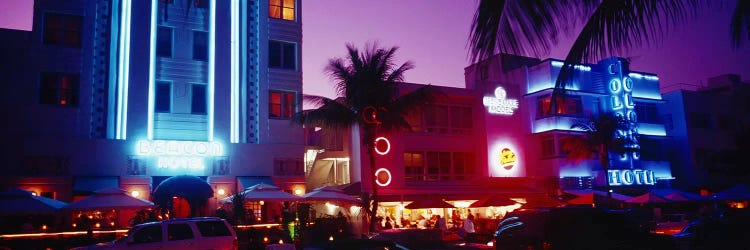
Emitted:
<point x="249" y="181"/>
<point x="320" y="174"/>
<point x="86" y="185"/>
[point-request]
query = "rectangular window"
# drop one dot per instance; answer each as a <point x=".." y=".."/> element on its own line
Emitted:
<point x="164" y="41"/>
<point x="414" y="166"/>
<point x="548" y="146"/>
<point x="281" y="9"/>
<point x="281" y="104"/>
<point x="179" y="231"/>
<point x="59" y="88"/>
<point x="415" y="121"/>
<point x="443" y="119"/>
<point x="288" y="167"/>
<point x="282" y="55"/>
<point x="62" y="29"/>
<point x="200" y="45"/>
<point x="646" y="112"/>
<point x="163" y="97"/>
<point x="568" y="105"/>
<point x="198" y="105"/>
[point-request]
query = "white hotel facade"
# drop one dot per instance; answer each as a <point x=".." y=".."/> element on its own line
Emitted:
<point x="126" y="93"/>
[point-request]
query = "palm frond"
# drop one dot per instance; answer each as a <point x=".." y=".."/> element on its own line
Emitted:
<point x="740" y="23"/>
<point x="332" y="114"/>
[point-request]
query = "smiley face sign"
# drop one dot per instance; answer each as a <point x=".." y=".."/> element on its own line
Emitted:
<point x="507" y="159"/>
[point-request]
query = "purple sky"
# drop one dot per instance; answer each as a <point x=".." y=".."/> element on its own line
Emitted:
<point x="16" y="14"/>
<point x="433" y="34"/>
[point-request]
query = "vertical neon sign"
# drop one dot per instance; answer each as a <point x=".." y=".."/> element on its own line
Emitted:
<point x="123" y="72"/>
<point x="152" y="72"/>
<point x="234" y="130"/>
<point x="623" y="106"/>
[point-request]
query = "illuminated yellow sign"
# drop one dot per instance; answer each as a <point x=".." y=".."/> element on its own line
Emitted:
<point x="507" y="159"/>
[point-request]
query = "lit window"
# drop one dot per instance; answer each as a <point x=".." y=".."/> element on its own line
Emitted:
<point x="569" y="105"/>
<point x="281" y="104"/>
<point x="163" y="97"/>
<point x="200" y="46"/>
<point x="282" y="55"/>
<point x="281" y="9"/>
<point x="62" y="29"/>
<point x="199" y="99"/>
<point x="58" y="89"/>
<point x="164" y="41"/>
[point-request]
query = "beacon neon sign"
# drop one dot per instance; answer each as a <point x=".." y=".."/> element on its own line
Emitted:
<point x="499" y="104"/>
<point x="179" y="154"/>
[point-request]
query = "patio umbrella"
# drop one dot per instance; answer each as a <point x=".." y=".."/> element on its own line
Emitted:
<point x="17" y="201"/>
<point x="647" y="198"/>
<point x="493" y="201"/>
<point x="264" y="192"/>
<point x="738" y="192"/>
<point x="429" y="202"/>
<point x="329" y="194"/>
<point x="580" y="192"/>
<point x="677" y="195"/>
<point x="109" y="198"/>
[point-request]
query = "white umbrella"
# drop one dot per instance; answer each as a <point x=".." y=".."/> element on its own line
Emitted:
<point x="264" y="192"/>
<point x="329" y="194"/>
<point x="17" y="201"/>
<point x="109" y="198"/>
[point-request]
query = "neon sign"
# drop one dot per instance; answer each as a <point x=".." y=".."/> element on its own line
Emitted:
<point x="498" y="104"/>
<point x="628" y="177"/>
<point x="179" y="154"/>
<point x="507" y="159"/>
<point x="381" y="142"/>
<point x="623" y="106"/>
<point x="383" y="177"/>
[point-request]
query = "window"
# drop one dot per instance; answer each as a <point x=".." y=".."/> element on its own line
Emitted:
<point x="288" y="167"/>
<point x="548" y="146"/>
<point x="414" y="166"/>
<point x="198" y="105"/>
<point x="282" y="55"/>
<point x="212" y="228"/>
<point x="281" y="104"/>
<point x="62" y="29"/>
<point x="200" y="46"/>
<point x="646" y="112"/>
<point x="281" y="9"/>
<point x="415" y="121"/>
<point x="179" y="231"/>
<point x="439" y="166"/>
<point x="148" y="234"/>
<point x="568" y="105"/>
<point x="164" y="41"/>
<point x="58" y="89"/>
<point x="447" y="119"/>
<point x="163" y="97"/>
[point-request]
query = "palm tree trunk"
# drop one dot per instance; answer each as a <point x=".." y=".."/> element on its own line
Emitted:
<point x="374" y="197"/>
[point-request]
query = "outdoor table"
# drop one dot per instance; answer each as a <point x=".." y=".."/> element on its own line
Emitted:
<point x="280" y="247"/>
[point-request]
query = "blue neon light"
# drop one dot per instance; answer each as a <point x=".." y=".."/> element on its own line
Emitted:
<point x="234" y="136"/>
<point x="211" y="66"/>
<point x="152" y="72"/>
<point x="556" y="63"/>
<point x="123" y="72"/>
<point x="643" y="76"/>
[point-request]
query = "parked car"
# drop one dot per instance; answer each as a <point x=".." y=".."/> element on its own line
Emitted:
<point x="576" y="228"/>
<point x="188" y="233"/>
<point x="671" y="224"/>
<point x="729" y="232"/>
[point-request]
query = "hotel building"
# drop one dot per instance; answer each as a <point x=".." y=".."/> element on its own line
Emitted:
<point x="498" y="135"/>
<point x="125" y="93"/>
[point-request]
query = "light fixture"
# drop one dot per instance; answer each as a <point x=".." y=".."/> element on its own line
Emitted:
<point x="135" y="193"/>
<point x="221" y="191"/>
<point x="298" y="191"/>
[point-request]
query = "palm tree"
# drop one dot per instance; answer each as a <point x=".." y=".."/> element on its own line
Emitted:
<point x="366" y="86"/>
<point x="600" y="138"/>
<point x="609" y="27"/>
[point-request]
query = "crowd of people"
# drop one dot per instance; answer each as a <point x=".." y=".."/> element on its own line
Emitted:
<point x="465" y="228"/>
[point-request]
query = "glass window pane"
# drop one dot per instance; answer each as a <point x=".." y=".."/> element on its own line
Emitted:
<point x="200" y="46"/>
<point x="288" y="14"/>
<point x="163" y="97"/>
<point x="290" y="56"/>
<point x="274" y="11"/>
<point x="289" y="104"/>
<point x="274" y="104"/>
<point x="289" y="4"/>
<point x="180" y="231"/>
<point x="199" y="99"/>
<point x="164" y="42"/>
<point x="274" y="54"/>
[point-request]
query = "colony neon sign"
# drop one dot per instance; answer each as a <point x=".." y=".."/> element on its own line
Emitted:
<point x="499" y="104"/>
<point x="628" y="177"/>
<point x="179" y="154"/>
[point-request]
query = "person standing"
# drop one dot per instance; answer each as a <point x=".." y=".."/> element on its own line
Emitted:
<point x="469" y="228"/>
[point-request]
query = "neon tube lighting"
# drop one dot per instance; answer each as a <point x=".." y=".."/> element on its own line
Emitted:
<point x="123" y="72"/>
<point x="152" y="72"/>
<point x="211" y="66"/>
<point x="235" y="81"/>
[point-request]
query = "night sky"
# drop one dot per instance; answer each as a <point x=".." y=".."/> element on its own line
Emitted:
<point x="434" y="33"/>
